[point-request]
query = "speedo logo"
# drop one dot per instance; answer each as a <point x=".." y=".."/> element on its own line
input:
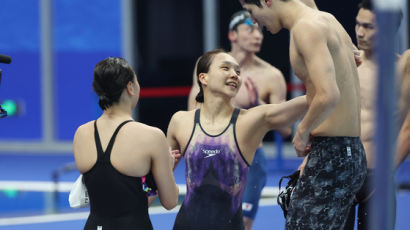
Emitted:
<point x="210" y="152"/>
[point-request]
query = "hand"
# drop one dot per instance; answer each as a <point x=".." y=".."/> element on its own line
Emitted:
<point x="252" y="91"/>
<point x="176" y="155"/>
<point x="300" y="142"/>
<point x="357" y="57"/>
<point x="301" y="167"/>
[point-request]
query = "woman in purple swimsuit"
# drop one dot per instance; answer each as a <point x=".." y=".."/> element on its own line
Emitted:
<point x="219" y="141"/>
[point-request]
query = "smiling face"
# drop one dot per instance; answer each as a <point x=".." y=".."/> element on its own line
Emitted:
<point x="223" y="77"/>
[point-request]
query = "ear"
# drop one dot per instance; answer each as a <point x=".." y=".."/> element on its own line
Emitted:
<point x="268" y="3"/>
<point x="203" y="78"/>
<point x="131" y="88"/>
<point x="232" y="35"/>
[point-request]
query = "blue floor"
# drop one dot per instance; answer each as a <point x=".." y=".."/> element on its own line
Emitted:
<point x="40" y="168"/>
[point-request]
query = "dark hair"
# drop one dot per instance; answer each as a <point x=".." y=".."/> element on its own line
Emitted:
<point x="239" y="18"/>
<point x="368" y="5"/>
<point x="111" y="76"/>
<point x="203" y="64"/>
<point x="255" y="2"/>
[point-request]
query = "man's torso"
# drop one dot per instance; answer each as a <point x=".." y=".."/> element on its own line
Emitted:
<point x="344" y="119"/>
<point x="368" y="79"/>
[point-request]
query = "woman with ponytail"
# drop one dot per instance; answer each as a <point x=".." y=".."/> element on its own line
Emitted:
<point x="218" y="143"/>
<point x="115" y="153"/>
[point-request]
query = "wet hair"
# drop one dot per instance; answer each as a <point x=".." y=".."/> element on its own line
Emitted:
<point x="111" y="76"/>
<point x="203" y="64"/>
<point x="254" y="2"/>
<point x="238" y="18"/>
<point x="368" y="5"/>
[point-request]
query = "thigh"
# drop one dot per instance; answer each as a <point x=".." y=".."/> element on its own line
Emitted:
<point x="324" y="193"/>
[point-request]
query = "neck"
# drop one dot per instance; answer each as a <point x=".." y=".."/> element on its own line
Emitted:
<point x="292" y="13"/>
<point x="242" y="57"/>
<point x="118" y="111"/>
<point x="368" y="55"/>
<point x="216" y="108"/>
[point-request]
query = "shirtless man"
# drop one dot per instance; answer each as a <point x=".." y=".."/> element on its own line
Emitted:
<point x="403" y="143"/>
<point x="321" y="56"/>
<point x="366" y="30"/>
<point x="263" y="84"/>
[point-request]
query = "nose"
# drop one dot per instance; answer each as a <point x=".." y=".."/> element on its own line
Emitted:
<point x="257" y="34"/>
<point x="234" y="75"/>
<point x="359" y="31"/>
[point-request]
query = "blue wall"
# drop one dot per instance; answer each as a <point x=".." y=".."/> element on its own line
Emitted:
<point x="84" y="33"/>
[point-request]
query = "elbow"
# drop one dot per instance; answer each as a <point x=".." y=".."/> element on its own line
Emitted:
<point x="171" y="203"/>
<point x="331" y="99"/>
<point x="285" y="132"/>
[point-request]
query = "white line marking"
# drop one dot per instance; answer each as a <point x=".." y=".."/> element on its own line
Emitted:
<point x="269" y="195"/>
<point x="49" y="218"/>
<point x="47" y="186"/>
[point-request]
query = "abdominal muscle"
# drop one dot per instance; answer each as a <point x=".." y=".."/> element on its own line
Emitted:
<point x="344" y="120"/>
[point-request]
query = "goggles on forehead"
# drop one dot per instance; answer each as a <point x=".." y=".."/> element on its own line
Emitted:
<point x="241" y="17"/>
<point x="248" y="22"/>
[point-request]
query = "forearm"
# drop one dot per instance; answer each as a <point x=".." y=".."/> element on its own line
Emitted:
<point x="286" y="113"/>
<point x="285" y="132"/>
<point x="319" y="110"/>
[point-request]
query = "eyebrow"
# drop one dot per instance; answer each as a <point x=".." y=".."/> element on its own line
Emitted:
<point x="363" y="23"/>
<point x="236" y="66"/>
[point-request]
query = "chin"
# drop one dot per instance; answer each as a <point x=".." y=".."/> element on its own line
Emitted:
<point x="233" y="94"/>
<point x="274" y="30"/>
<point x="364" y="48"/>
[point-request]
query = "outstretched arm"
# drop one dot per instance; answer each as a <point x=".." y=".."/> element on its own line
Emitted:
<point x="264" y="118"/>
<point x="253" y="124"/>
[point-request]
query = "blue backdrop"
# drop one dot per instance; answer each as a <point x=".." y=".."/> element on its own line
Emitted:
<point x="84" y="33"/>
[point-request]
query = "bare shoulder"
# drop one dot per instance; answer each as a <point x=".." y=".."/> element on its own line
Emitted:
<point x="406" y="54"/>
<point x="84" y="130"/>
<point x="269" y="71"/>
<point x="183" y="116"/>
<point x="143" y="131"/>
<point x="404" y="60"/>
<point x="404" y="66"/>
<point x="309" y="31"/>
